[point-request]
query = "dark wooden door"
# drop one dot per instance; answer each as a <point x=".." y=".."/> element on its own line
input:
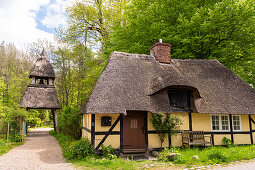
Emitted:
<point x="134" y="132"/>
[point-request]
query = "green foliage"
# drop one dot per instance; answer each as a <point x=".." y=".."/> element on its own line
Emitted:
<point x="108" y="152"/>
<point x="6" y="146"/>
<point x="16" y="138"/>
<point x="218" y="29"/>
<point x="165" y="124"/>
<point x="69" y="122"/>
<point x="81" y="149"/>
<point x="73" y="149"/>
<point x="91" y="160"/>
<point x="227" y="142"/>
<point x="163" y="155"/>
<point x="217" y="156"/>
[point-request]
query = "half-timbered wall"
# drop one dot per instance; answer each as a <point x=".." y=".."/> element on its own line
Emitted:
<point x="191" y="121"/>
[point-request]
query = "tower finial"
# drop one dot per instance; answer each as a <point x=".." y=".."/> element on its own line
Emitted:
<point x="43" y="53"/>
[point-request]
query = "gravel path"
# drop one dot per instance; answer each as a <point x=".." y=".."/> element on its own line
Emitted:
<point x="40" y="151"/>
<point x="249" y="165"/>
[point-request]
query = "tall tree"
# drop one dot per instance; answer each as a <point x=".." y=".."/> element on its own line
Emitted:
<point x="222" y="30"/>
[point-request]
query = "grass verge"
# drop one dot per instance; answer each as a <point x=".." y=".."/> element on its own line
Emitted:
<point x="6" y="146"/>
<point x="207" y="156"/>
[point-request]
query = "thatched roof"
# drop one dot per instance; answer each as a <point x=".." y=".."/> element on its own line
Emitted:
<point x="39" y="96"/>
<point x="42" y="67"/>
<point x="139" y="82"/>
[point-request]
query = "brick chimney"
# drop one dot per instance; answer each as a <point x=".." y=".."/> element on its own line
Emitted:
<point x="161" y="52"/>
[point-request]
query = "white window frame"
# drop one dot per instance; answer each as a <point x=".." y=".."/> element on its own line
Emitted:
<point x="220" y="123"/>
<point x="240" y="122"/>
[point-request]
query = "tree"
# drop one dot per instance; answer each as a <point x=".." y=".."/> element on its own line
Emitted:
<point x="89" y="22"/>
<point x="165" y="124"/>
<point x="222" y="30"/>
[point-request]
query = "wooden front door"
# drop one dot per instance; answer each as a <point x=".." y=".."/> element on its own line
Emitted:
<point x="134" y="132"/>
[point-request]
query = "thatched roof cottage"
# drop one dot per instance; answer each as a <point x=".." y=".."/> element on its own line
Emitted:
<point x="205" y="94"/>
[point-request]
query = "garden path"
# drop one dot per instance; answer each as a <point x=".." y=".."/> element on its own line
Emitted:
<point x="246" y="165"/>
<point x="40" y="151"/>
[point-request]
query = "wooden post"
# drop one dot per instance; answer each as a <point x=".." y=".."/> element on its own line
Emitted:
<point x="22" y="130"/>
<point x="55" y="120"/>
<point x="7" y="133"/>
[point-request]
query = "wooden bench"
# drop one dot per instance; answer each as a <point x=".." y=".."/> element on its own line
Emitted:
<point x="195" y="138"/>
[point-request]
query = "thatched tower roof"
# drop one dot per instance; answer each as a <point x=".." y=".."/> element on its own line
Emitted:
<point x="139" y="82"/>
<point x="39" y="96"/>
<point x="42" y="67"/>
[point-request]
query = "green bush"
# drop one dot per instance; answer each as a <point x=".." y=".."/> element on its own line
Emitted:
<point x="73" y="149"/>
<point x="69" y="122"/>
<point x="81" y="149"/>
<point x="227" y="142"/>
<point x="16" y="138"/>
<point x="217" y="156"/>
<point x="108" y="152"/>
<point x="163" y="155"/>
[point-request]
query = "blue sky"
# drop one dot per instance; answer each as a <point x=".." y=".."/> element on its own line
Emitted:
<point x="25" y="21"/>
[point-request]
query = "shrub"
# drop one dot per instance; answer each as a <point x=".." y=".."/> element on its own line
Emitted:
<point x="16" y="138"/>
<point x="80" y="149"/>
<point x="217" y="156"/>
<point x="227" y="142"/>
<point x="163" y="156"/>
<point x="69" y="122"/>
<point x="108" y="152"/>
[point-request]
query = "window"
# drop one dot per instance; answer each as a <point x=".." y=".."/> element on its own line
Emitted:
<point x="221" y="122"/>
<point x="236" y="122"/>
<point x="106" y="121"/>
<point x="133" y="123"/>
<point x="179" y="99"/>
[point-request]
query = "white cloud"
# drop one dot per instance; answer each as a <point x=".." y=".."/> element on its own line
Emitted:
<point x="18" y="24"/>
<point x="55" y="15"/>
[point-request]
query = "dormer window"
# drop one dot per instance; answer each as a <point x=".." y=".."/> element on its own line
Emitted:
<point x="179" y="99"/>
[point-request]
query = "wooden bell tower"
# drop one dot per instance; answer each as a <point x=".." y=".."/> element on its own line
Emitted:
<point x="41" y="93"/>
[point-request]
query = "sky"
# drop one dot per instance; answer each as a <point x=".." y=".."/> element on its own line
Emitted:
<point x="25" y="21"/>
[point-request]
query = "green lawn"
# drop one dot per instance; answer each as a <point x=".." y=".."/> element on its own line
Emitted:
<point x="207" y="156"/>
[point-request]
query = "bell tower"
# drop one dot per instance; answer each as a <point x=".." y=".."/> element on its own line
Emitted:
<point x="41" y="93"/>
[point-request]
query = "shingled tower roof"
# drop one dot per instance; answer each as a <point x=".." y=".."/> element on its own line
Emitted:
<point x="42" y="67"/>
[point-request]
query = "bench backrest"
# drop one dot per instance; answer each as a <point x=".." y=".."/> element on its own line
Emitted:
<point x="193" y="134"/>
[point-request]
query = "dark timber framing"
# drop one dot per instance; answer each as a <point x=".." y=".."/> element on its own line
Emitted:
<point x="108" y="133"/>
<point x="146" y="129"/>
<point x="231" y="128"/>
<point x="250" y="125"/>
<point x="121" y="132"/>
<point x="93" y="129"/>
<point x="190" y="121"/>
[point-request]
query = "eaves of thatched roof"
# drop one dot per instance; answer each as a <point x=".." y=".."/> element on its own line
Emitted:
<point x="42" y="67"/>
<point x="39" y="96"/>
<point x="139" y="82"/>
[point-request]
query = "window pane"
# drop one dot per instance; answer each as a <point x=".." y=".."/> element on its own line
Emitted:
<point x="215" y="122"/>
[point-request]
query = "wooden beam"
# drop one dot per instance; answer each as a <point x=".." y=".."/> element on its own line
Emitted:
<point x="121" y="131"/>
<point x="55" y="120"/>
<point x="252" y="121"/>
<point x="231" y="128"/>
<point x="250" y="125"/>
<point x="146" y="129"/>
<point x="93" y="129"/>
<point x="190" y="121"/>
<point x="108" y="133"/>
